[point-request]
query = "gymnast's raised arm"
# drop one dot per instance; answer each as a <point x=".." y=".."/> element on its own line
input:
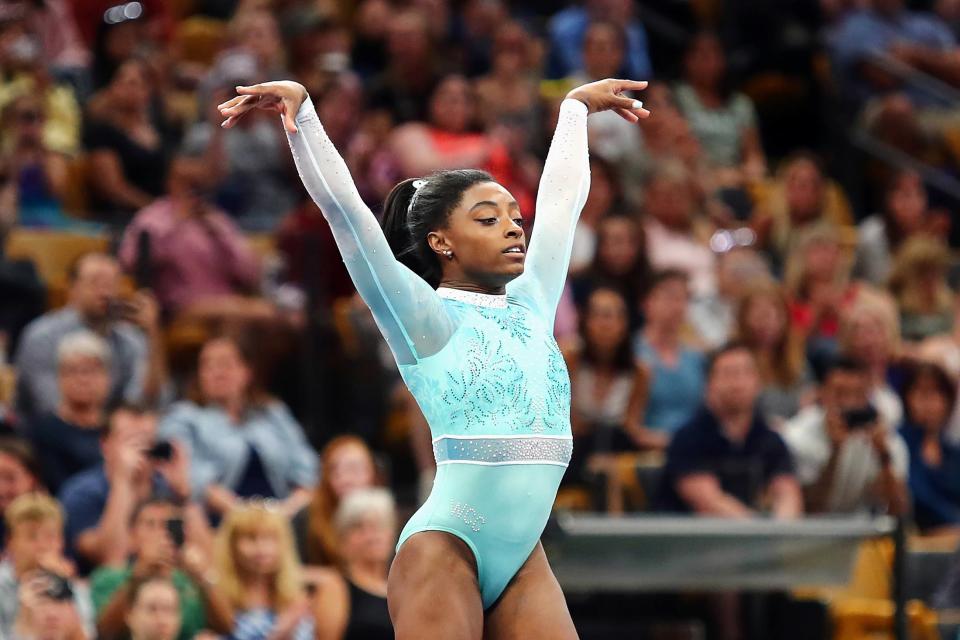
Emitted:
<point x="407" y="309"/>
<point x="563" y="189"/>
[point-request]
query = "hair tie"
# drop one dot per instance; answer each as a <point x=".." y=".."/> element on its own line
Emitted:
<point x="417" y="185"/>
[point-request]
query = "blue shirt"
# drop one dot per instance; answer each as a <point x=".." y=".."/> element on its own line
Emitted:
<point x="63" y="449"/>
<point x="743" y="469"/>
<point x="220" y="450"/>
<point x="567" y="30"/>
<point x="866" y="33"/>
<point x="84" y="498"/>
<point x="38" y="388"/>
<point x="935" y="490"/>
<point x="675" y="391"/>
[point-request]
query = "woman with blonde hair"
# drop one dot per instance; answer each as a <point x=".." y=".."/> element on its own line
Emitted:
<point x="348" y="466"/>
<point x="260" y="574"/>
<point x="918" y="282"/>
<point x="763" y="324"/>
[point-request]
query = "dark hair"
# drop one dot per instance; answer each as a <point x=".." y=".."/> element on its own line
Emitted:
<point x="714" y="356"/>
<point x="152" y="501"/>
<point x="21" y="451"/>
<point x="125" y="407"/>
<point x="665" y="275"/>
<point x="924" y="370"/>
<point x="623" y="359"/>
<point x="843" y="364"/>
<point x="247" y="347"/>
<point x="409" y="214"/>
<point x="726" y="87"/>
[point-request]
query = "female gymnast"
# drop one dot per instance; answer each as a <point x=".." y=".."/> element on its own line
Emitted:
<point x="467" y="310"/>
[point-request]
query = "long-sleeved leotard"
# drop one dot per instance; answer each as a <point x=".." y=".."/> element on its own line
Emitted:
<point x="484" y="369"/>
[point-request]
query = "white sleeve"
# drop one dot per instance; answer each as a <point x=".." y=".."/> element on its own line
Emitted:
<point x="561" y="195"/>
<point x="408" y="311"/>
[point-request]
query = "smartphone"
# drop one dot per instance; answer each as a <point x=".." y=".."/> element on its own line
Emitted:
<point x="860" y="418"/>
<point x="175" y="529"/>
<point x="161" y="450"/>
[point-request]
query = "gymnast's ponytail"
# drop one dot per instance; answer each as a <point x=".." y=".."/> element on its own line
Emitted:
<point x="417" y="206"/>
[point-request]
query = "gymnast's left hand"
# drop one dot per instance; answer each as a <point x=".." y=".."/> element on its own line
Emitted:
<point x="282" y="96"/>
<point x="607" y="95"/>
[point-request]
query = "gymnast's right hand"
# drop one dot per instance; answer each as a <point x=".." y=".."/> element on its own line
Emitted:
<point x="282" y="96"/>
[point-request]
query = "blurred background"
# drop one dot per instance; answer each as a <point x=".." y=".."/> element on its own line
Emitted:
<point x="204" y="434"/>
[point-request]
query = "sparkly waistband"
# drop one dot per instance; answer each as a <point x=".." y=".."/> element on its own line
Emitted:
<point x="497" y="450"/>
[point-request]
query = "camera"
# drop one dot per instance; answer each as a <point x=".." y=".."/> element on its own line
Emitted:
<point x="161" y="450"/>
<point x="175" y="529"/>
<point x="860" y="418"/>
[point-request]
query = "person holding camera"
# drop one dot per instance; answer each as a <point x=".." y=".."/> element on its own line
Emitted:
<point x="166" y="543"/>
<point x="848" y="459"/>
<point x="37" y="597"/>
<point x="100" y="501"/>
<point x="130" y="327"/>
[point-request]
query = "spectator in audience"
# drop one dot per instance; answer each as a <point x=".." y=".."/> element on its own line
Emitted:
<point x="620" y="262"/>
<point x="918" y="282"/>
<point x="884" y="31"/>
<point x="260" y="575"/>
<point x="348" y="466"/>
<point x="254" y="31"/>
<point x="676" y="237"/>
<point x="241" y="442"/>
<point x="353" y="606"/>
<point x="199" y="263"/>
<point x="881" y="235"/>
<point x="100" y="502"/>
<point x="726" y="461"/>
<point x="869" y="335"/>
<point x="447" y="141"/>
<point x="929" y="396"/>
<point x="404" y="87"/>
<point x="509" y="93"/>
<point x="68" y="441"/>
<point x="154" y="610"/>
<point x="34" y="567"/>
<point x="848" y="459"/>
<point x="568" y="28"/>
<point x="608" y="387"/>
<point x="19" y="474"/>
<point x="42" y="616"/>
<point x="763" y="324"/>
<point x="130" y="327"/>
<point x="801" y="197"/>
<point x="246" y="171"/>
<point x="724" y="121"/>
<point x="739" y="268"/>
<point x="819" y="289"/>
<point x="605" y="197"/>
<point x="183" y="562"/>
<point x="675" y="369"/>
<point x="127" y="151"/>
<point x="38" y="173"/>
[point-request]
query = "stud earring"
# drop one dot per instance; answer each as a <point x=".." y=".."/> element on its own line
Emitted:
<point x="449" y="254"/>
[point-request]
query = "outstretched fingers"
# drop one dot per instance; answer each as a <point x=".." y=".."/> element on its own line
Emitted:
<point x="629" y="85"/>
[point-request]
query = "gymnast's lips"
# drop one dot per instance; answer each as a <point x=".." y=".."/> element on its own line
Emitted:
<point x="511" y="250"/>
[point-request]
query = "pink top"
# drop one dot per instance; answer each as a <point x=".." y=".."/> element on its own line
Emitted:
<point x="191" y="257"/>
<point x="668" y="249"/>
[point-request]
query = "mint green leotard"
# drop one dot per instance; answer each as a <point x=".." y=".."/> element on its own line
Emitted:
<point x="484" y="369"/>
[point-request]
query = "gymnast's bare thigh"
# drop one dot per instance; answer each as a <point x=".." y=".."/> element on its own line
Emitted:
<point x="432" y="590"/>
<point x="532" y="606"/>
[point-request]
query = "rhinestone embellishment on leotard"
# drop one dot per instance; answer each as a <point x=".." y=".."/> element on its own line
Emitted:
<point x="471" y="517"/>
<point x="471" y="297"/>
<point x="497" y="451"/>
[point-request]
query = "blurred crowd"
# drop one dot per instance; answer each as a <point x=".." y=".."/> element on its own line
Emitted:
<point x="204" y="434"/>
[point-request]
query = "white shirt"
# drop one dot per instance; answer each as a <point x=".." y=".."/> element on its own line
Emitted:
<point x="858" y="466"/>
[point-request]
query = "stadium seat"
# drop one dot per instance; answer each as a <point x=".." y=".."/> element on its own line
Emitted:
<point x="200" y="39"/>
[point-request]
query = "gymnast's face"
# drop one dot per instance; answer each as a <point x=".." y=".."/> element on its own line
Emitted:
<point x="485" y="235"/>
